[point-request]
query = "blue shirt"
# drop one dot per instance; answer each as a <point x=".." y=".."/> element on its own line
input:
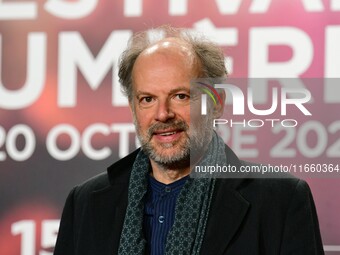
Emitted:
<point x="159" y="213"/>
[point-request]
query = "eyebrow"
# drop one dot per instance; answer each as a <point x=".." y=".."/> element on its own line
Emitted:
<point x="138" y="93"/>
<point x="179" y="89"/>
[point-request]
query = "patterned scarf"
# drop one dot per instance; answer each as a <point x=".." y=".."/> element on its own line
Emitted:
<point x="191" y="212"/>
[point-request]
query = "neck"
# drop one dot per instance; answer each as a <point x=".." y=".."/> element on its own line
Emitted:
<point x="168" y="175"/>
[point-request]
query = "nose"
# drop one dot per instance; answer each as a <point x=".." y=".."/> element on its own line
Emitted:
<point x="164" y="111"/>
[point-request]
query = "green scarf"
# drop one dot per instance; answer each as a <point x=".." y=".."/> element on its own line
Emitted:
<point x="191" y="212"/>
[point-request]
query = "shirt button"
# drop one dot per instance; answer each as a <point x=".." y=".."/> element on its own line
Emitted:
<point x="161" y="219"/>
<point x="167" y="189"/>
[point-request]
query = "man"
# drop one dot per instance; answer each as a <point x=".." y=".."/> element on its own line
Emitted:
<point x="147" y="203"/>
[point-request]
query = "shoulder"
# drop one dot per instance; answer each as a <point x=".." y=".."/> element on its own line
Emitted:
<point x="96" y="183"/>
<point x="271" y="180"/>
<point x="117" y="173"/>
<point x="253" y="185"/>
<point x="273" y="189"/>
<point x="266" y="189"/>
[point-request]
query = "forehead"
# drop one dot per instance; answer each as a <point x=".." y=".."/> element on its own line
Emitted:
<point x="168" y="61"/>
<point x="161" y="74"/>
<point x="170" y="44"/>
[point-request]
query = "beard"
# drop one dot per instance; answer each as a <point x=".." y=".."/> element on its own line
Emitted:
<point x="177" y="154"/>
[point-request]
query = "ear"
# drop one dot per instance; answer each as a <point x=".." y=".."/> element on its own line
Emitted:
<point x="219" y="108"/>
<point x="131" y="106"/>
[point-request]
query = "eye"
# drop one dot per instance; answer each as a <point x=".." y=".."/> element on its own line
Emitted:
<point x="182" y="96"/>
<point x="146" y="100"/>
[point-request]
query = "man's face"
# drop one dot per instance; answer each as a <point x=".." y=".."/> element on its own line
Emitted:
<point x="161" y="106"/>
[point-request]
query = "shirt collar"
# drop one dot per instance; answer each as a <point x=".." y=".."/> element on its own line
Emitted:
<point x="159" y="187"/>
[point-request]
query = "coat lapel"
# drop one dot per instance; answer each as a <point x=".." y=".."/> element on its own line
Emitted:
<point x="109" y="207"/>
<point x="109" y="210"/>
<point x="227" y="212"/>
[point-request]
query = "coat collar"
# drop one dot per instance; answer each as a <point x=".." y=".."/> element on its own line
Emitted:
<point x="120" y="171"/>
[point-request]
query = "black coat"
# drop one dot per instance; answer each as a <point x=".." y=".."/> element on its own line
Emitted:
<point x="247" y="216"/>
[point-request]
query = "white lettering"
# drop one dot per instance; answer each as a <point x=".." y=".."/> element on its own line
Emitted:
<point x="87" y="147"/>
<point x="178" y="7"/>
<point x="228" y="6"/>
<point x="51" y="142"/>
<point x="74" y="53"/>
<point x="26" y="228"/>
<point x="49" y="232"/>
<point x="332" y="64"/>
<point x="313" y="5"/>
<point x="335" y="5"/>
<point x="235" y="96"/>
<point x="260" y="6"/>
<point x="70" y="9"/>
<point x="35" y="78"/>
<point x="262" y="112"/>
<point x="262" y="38"/>
<point x="124" y="130"/>
<point x="296" y="101"/>
<point x="18" y="10"/>
<point x="221" y="36"/>
<point x="240" y="139"/>
<point x="133" y="8"/>
<point x="11" y="144"/>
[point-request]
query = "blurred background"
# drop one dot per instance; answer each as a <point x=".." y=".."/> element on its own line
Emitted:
<point x="63" y="118"/>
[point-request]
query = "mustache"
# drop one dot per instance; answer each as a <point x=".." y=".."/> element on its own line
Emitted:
<point x="179" y="125"/>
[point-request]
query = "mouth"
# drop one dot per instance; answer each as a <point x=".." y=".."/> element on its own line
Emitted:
<point x="167" y="135"/>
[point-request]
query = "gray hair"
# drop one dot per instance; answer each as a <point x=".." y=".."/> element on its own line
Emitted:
<point x="209" y="54"/>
